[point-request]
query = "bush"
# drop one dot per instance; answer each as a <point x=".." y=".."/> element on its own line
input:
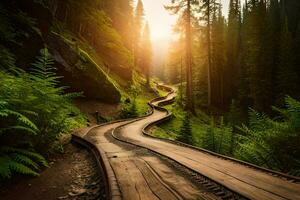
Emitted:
<point x="129" y="110"/>
<point x="34" y="112"/>
<point x="273" y="143"/>
<point x="185" y="134"/>
<point x="218" y="138"/>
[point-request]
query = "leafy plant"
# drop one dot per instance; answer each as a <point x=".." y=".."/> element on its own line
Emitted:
<point x="34" y="112"/>
<point x="129" y="110"/>
<point x="218" y="138"/>
<point x="273" y="143"/>
<point x="185" y="134"/>
<point x="15" y="159"/>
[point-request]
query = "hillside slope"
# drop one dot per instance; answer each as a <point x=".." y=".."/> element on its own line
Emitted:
<point x="85" y="57"/>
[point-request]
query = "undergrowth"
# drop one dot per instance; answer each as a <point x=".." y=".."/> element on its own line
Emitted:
<point x="34" y="112"/>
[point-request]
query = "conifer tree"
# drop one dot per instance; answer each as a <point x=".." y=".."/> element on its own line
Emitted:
<point x="287" y="76"/>
<point x="138" y="25"/>
<point x="184" y="9"/>
<point x="146" y="53"/>
<point x="185" y="134"/>
<point x="218" y="57"/>
<point x="233" y="48"/>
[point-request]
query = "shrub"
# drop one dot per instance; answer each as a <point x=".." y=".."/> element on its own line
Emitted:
<point x="218" y="138"/>
<point x="185" y="134"/>
<point x="129" y="110"/>
<point x="34" y="112"/>
<point x="273" y="143"/>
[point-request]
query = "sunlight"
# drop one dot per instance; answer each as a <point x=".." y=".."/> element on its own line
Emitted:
<point x="160" y="21"/>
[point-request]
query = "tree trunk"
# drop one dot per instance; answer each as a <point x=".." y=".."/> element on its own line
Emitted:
<point x="209" y="71"/>
<point x="189" y="79"/>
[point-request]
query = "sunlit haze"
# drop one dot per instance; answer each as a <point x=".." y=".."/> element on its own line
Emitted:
<point x="161" y="22"/>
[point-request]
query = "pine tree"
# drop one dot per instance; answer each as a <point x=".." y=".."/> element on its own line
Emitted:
<point x="184" y="9"/>
<point x="121" y="13"/>
<point x="138" y="25"/>
<point x="146" y="53"/>
<point x="218" y="57"/>
<point x="185" y="134"/>
<point x="207" y="9"/>
<point x="287" y="74"/>
<point x="233" y="49"/>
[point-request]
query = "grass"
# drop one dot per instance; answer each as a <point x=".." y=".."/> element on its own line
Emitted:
<point x="170" y="129"/>
<point x="142" y="102"/>
<point x="145" y="94"/>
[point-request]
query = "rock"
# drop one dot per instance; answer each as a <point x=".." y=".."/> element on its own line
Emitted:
<point x="63" y="197"/>
<point x="77" y="192"/>
<point x="80" y="72"/>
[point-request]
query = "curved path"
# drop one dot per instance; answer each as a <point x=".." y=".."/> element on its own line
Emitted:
<point x="141" y="168"/>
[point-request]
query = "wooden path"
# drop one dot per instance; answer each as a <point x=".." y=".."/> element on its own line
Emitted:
<point x="141" y="169"/>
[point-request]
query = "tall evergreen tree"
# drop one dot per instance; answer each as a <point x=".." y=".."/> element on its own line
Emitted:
<point x="184" y="9"/>
<point x="138" y="25"/>
<point x="218" y="57"/>
<point x="233" y="49"/>
<point x="287" y="73"/>
<point x="146" y="53"/>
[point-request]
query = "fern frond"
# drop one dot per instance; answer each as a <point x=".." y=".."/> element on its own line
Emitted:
<point x="35" y="156"/>
<point x="22" y="128"/>
<point x="25" y="160"/>
<point x="4" y="167"/>
<point x="22" y="169"/>
<point x="22" y="118"/>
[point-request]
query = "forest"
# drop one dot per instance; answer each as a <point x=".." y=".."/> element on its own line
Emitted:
<point x="236" y="75"/>
<point x="244" y="76"/>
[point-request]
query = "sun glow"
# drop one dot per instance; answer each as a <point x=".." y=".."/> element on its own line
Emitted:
<point x="160" y="21"/>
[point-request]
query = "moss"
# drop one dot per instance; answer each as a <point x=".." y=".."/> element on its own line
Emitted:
<point x="81" y="72"/>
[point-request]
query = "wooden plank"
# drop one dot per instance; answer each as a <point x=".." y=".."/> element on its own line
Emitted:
<point x="131" y="181"/>
<point x="156" y="186"/>
<point x="247" y="181"/>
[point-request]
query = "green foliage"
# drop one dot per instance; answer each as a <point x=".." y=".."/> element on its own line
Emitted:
<point x="129" y="110"/>
<point x="34" y="112"/>
<point x="234" y="116"/>
<point x="273" y="143"/>
<point x="7" y="59"/>
<point x="185" y="134"/>
<point x="98" y="32"/>
<point x="218" y="138"/>
<point x="10" y="30"/>
<point x="15" y="160"/>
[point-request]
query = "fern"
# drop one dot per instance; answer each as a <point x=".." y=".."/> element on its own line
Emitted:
<point x="13" y="160"/>
<point x="23" y="122"/>
<point x="25" y="160"/>
<point x="23" y="119"/>
<point x="21" y="169"/>
<point x="35" y="156"/>
<point x="35" y="111"/>
<point x="272" y="143"/>
<point x="5" y="171"/>
<point x="43" y="70"/>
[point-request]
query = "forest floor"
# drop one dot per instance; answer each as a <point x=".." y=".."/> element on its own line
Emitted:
<point x="89" y="108"/>
<point x="71" y="175"/>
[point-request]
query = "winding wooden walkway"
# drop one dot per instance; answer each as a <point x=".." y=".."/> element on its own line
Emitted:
<point x="140" y="171"/>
